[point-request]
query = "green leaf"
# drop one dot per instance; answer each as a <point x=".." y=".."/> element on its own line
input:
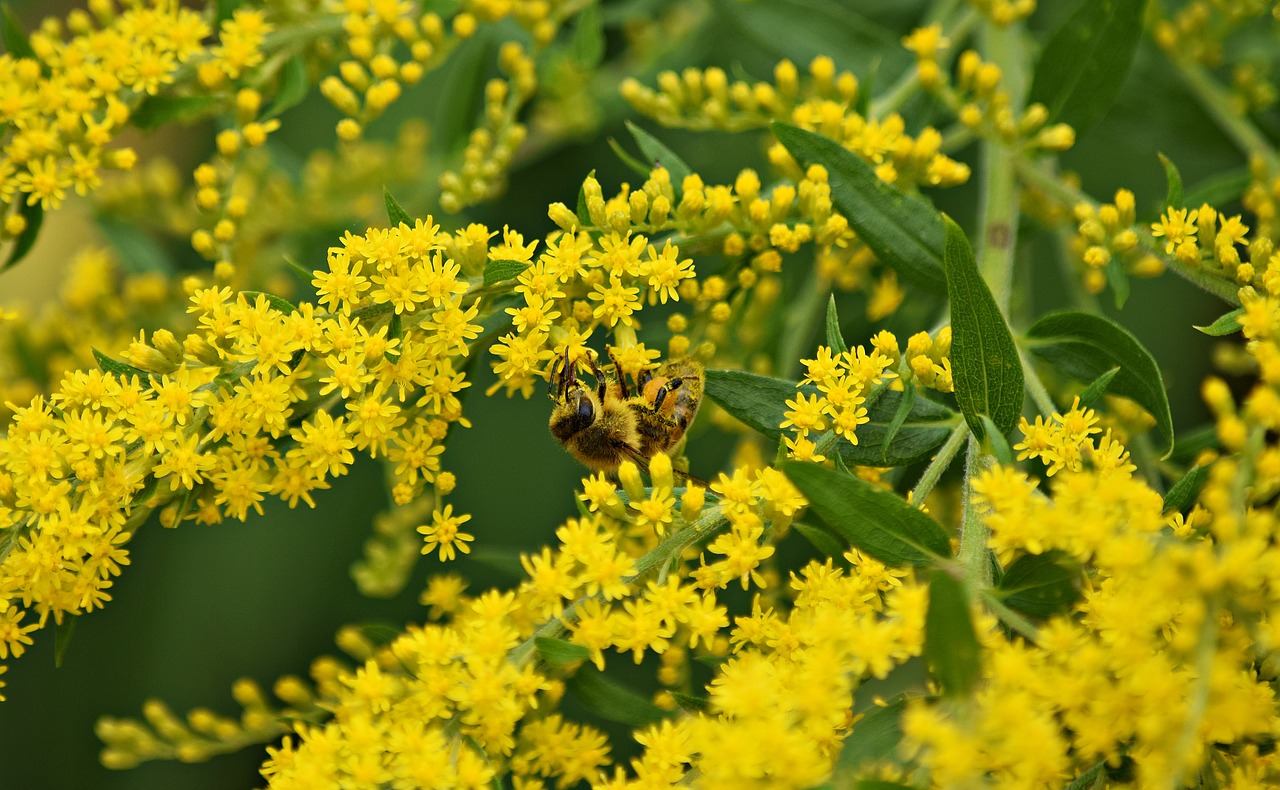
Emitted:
<point x="379" y="634"/>
<point x="13" y="37"/>
<point x="690" y="703"/>
<point x="34" y="214"/>
<point x="158" y="111"/>
<point x="1097" y="387"/>
<point x="395" y="214"/>
<point x="611" y="700"/>
<point x="1173" y="195"/>
<point x="587" y="44"/>
<point x="984" y="360"/>
<point x="1222" y="187"/>
<point x="872" y="519"/>
<point x="1086" y="345"/>
<point x="584" y="216"/>
<point x="803" y="29"/>
<point x="835" y="340"/>
<point x="137" y="250"/>
<point x="1227" y="324"/>
<point x="500" y="270"/>
<point x="760" y="401"/>
<point x="1118" y="279"/>
<point x="1041" y="584"/>
<point x="872" y="739"/>
<point x="950" y="644"/>
<point x="293" y="86"/>
<point x="827" y="544"/>
<point x="1184" y="492"/>
<point x="278" y="303"/>
<point x="558" y="652"/>
<point x="299" y="271"/>
<point x="1090" y="778"/>
<point x="660" y="155"/>
<point x="1083" y="66"/>
<point x="503" y="559"/>
<point x="998" y="442"/>
<point x="109" y="365"/>
<point x="635" y="165"/>
<point x="905" y="404"/>
<point x="880" y="784"/>
<point x="62" y="634"/>
<point x="1188" y="447"/>
<point x="903" y="230"/>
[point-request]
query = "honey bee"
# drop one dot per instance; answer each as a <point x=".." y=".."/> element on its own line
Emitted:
<point x="603" y="426"/>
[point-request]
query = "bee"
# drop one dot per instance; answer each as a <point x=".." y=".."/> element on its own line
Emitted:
<point x="612" y="422"/>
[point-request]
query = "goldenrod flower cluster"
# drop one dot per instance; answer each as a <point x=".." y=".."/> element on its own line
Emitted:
<point x="63" y="102"/>
<point x="1105" y="235"/>
<point x="264" y="398"/>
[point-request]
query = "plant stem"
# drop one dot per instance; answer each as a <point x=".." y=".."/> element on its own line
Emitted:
<point x="939" y="464"/>
<point x="973" y="533"/>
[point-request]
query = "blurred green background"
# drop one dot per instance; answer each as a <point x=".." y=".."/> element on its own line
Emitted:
<point x="202" y="606"/>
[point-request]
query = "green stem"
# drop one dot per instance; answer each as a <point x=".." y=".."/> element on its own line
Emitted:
<point x="1035" y="387"/>
<point x="800" y="322"/>
<point x="1215" y="99"/>
<point x="998" y="223"/>
<point x="1009" y="617"/>
<point x="940" y="463"/>
<point x="973" y="533"/>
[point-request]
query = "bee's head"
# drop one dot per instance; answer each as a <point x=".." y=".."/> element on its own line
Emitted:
<point x="575" y="412"/>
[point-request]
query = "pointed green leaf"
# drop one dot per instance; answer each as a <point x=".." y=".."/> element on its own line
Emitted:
<point x="1118" y="279"/>
<point x="1224" y="186"/>
<point x="1227" y="324"/>
<point x="660" y="155"/>
<point x="904" y="231"/>
<point x="34" y="214"/>
<point x="62" y="634"/>
<point x="1095" y="777"/>
<point x="498" y="271"/>
<point x="121" y="369"/>
<point x="1184" y="492"/>
<point x="827" y="544"/>
<point x="691" y="703"/>
<point x="1081" y="69"/>
<point x="558" y="652"/>
<point x="1173" y="195"/>
<point x="278" y="303"/>
<point x="835" y="339"/>
<point x="997" y="441"/>
<point x="584" y="216"/>
<point x="395" y="214"/>
<point x="13" y="37"/>
<point x="587" y="44"/>
<point x="1191" y="444"/>
<point x="292" y="88"/>
<point x="760" y="401"/>
<point x="298" y="271"/>
<point x="873" y="738"/>
<point x="1041" y="584"/>
<point x="503" y="559"/>
<point x="984" y="359"/>
<point x="950" y="644"/>
<point x="633" y="164"/>
<point x="1090" y="394"/>
<point x="611" y="700"/>
<point x="379" y="634"/>
<point x="905" y="404"/>
<point x="156" y="111"/>
<point x="872" y="519"/>
<point x="1086" y="345"/>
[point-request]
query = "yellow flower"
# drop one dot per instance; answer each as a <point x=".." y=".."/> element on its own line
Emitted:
<point x="443" y="533"/>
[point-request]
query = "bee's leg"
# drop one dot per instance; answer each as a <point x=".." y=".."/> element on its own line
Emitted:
<point x="622" y="377"/>
<point x="643" y="378"/>
<point x="602" y="382"/>
<point x="666" y="389"/>
<point x="554" y="390"/>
